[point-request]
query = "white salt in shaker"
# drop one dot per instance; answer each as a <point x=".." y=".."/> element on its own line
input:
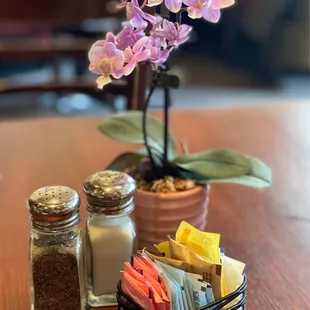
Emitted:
<point x="110" y="233"/>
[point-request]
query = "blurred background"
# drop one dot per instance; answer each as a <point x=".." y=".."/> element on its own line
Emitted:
<point x="257" y="53"/>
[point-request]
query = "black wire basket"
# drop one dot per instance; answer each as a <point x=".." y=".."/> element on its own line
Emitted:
<point x="240" y="294"/>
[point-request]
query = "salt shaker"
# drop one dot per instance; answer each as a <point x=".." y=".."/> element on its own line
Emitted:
<point x="110" y="233"/>
<point x="55" y="250"/>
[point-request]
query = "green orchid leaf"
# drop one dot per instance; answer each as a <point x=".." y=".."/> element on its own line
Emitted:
<point x="127" y="127"/>
<point x="215" y="164"/>
<point x="260" y="176"/>
<point x="124" y="161"/>
<point x="191" y="175"/>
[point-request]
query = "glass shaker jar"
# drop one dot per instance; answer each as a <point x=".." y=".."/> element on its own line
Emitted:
<point x="110" y="233"/>
<point x="55" y="249"/>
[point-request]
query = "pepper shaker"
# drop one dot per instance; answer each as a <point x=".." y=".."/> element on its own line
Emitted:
<point x="110" y="233"/>
<point x="55" y="250"/>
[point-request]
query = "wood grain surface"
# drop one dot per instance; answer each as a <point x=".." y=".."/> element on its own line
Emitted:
<point x="269" y="229"/>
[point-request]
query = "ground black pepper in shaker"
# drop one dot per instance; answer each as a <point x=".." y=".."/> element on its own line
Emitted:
<point x="56" y="260"/>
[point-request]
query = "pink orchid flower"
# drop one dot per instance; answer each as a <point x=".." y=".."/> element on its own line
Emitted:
<point x="136" y="16"/>
<point x="135" y="55"/>
<point x="208" y="9"/>
<point x="174" y="33"/>
<point x="156" y="41"/>
<point x="158" y="56"/>
<point x="106" y="60"/>
<point x="129" y="36"/>
<point x="110" y="37"/>
<point x="173" y="6"/>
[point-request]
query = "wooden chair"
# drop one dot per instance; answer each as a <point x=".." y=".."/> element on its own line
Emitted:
<point x="29" y="28"/>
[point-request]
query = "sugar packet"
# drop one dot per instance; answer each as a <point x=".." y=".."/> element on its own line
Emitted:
<point x="164" y="249"/>
<point x="158" y="302"/>
<point x="197" y="287"/>
<point x="173" y="290"/>
<point x="233" y="272"/>
<point x="202" y="243"/>
<point x="179" y="276"/>
<point x="137" y="290"/>
<point x="145" y="272"/>
<point x="169" y="261"/>
<point x="211" y="272"/>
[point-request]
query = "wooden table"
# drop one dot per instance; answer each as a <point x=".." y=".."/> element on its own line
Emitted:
<point x="268" y="229"/>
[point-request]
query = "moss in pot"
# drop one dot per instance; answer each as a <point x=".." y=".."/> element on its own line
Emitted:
<point x="173" y="187"/>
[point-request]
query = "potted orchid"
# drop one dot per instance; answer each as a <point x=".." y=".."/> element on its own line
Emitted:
<point x="171" y="187"/>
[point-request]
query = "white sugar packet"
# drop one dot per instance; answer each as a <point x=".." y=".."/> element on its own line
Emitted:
<point x="179" y="276"/>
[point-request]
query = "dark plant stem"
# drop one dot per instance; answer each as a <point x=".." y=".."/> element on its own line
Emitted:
<point x="164" y="12"/>
<point x="179" y="17"/>
<point x="166" y="124"/>
<point x="144" y="128"/>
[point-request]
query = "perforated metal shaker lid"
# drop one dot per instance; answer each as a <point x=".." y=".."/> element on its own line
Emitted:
<point x="54" y="206"/>
<point x="109" y="192"/>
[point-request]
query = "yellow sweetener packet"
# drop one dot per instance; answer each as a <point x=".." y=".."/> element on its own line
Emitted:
<point x="233" y="271"/>
<point x="164" y="249"/>
<point x="211" y="272"/>
<point x="202" y="243"/>
<point x="233" y="277"/>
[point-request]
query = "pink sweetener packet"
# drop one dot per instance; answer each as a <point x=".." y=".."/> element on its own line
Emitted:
<point x="138" y="291"/>
<point x="158" y="283"/>
<point x="134" y="273"/>
<point x="164" y="303"/>
<point x="138" y="264"/>
<point x="158" y="302"/>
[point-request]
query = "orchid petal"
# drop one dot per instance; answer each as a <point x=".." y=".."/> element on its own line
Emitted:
<point x="221" y="4"/>
<point x="135" y="3"/>
<point x="150" y="18"/>
<point x="211" y="15"/>
<point x="173" y="6"/>
<point x="138" y="47"/>
<point x="129" y="67"/>
<point x="99" y="43"/>
<point x="194" y="12"/>
<point x="108" y="50"/>
<point x="143" y="56"/>
<point x="128" y="54"/>
<point x="127" y="30"/>
<point x="169" y="27"/>
<point x="118" y="59"/>
<point x="137" y="21"/>
<point x="95" y="55"/>
<point x="184" y="30"/>
<point x="206" y="3"/>
<point x="138" y="35"/>
<point x="117" y="74"/>
<point x="126" y="37"/>
<point x="103" y="80"/>
<point x="159" y="20"/>
<point x="165" y="54"/>
<point x="94" y="69"/>
<point x="151" y="3"/>
<point x="133" y="11"/>
<point x="110" y="37"/>
<point x="141" y="27"/>
<point x="190" y="2"/>
<point x="155" y="51"/>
